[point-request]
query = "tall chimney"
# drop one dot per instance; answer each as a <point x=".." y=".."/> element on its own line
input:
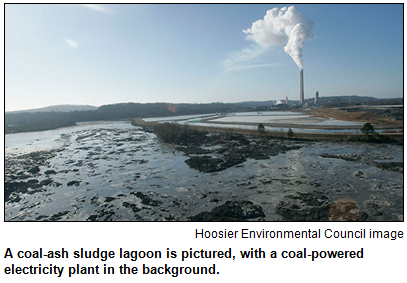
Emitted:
<point x="302" y="86"/>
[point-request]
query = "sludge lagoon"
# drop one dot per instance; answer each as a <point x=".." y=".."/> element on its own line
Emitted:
<point x="117" y="172"/>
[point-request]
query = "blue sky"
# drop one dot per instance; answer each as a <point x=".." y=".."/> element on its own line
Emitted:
<point x="103" y="54"/>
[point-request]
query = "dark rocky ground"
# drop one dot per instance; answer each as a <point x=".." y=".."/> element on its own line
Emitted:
<point x="232" y="211"/>
<point x="22" y="174"/>
<point x="217" y="152"/>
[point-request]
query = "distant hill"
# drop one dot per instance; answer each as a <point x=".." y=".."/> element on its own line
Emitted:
<point x="323" y="100"/>
<point x="256" y="103"/>
<point x="233" y="106"/>
<point x="58" y="108"/>
<point x="341" y="101"/>
<point x="346" y="99"/>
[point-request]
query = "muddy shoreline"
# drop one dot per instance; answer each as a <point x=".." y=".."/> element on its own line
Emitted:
<point x="126" y="174"/>
<point x="217" y="152"/>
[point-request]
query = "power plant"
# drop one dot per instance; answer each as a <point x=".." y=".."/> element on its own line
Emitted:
<point x="302" y="86"/>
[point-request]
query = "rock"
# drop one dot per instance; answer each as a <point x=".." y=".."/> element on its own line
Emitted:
<point x="346" y="210"/>
<point x="147" y="200"/>
<point x="390" y="166"/>
<point x="313" y="206"/>
<point x="46" y="182"/>
<point x="49" y="172"/>
<point x="192" y="149"/>
<point x="73" y="183"/>
<point x="58" y="216"/>
<point x="210" y="164"/>
<point x="346" y="157"/>
<point x="231" y="211"/>
<point x="34" y="169"/>
<point x="17" y="188"/>
<point x="132" y="206"/>
<point x="93" y="217"/>
<point x="109" y="199"/>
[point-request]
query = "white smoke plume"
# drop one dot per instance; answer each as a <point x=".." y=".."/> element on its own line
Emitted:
<point x="282" y="26"/>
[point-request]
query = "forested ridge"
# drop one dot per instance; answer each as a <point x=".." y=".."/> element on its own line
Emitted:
<point x="39" y="121"/>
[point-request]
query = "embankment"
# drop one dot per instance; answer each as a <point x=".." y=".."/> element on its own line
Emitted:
<point x="306" y="136"/>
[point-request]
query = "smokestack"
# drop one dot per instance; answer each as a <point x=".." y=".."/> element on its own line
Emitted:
<point x="302" y="86"/>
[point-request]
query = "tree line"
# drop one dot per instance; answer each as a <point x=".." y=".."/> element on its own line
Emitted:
<point x="39" y="121"/>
